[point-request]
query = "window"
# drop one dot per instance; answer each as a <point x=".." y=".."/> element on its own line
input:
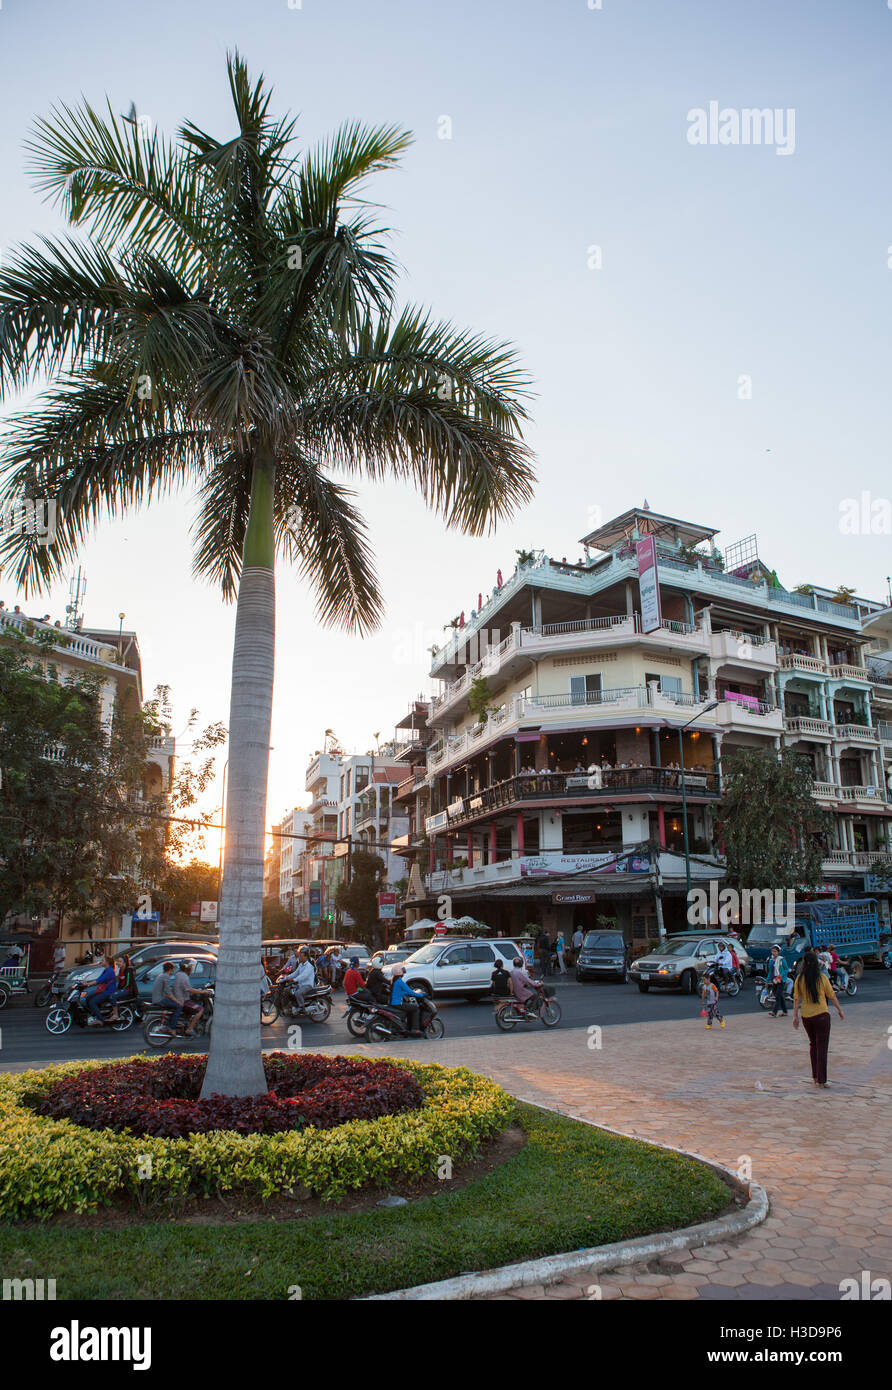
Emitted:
<point x="585" y="690"/>
<point x="667" y="683"/>
<point x="458" y="955"/>
<point x="481" y="953"/>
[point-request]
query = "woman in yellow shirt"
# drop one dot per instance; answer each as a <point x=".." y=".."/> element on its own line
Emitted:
<point x="812" y="993"/>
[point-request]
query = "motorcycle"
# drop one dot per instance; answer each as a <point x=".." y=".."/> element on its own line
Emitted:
<point x="386" y="1022"/>
<point x="359" y="1013"/>
<point x="841" y="980"/>
<point x="45" y="995"/>
<point x="316" y="1006"/>
<point x="543" y="1005"/>
<point x="74" y="1010"/>
<point x="727" y="982"/>
<point x="156" y="1025"/>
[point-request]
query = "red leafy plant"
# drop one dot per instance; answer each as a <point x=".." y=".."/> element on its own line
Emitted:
<point x="160" y="1096"/>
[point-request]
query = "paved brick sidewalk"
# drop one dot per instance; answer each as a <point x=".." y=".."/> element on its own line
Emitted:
<point x="824" y="1156"/>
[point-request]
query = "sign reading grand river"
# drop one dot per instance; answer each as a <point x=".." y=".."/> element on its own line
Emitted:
<point x="648" y="584"/>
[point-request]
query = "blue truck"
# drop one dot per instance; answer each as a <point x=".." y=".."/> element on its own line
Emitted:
<point x="852" y="925"/>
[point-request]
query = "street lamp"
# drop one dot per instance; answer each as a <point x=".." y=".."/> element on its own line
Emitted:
<point x="713" y="704"/>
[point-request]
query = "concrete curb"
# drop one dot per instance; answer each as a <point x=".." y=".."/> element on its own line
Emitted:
<point x="597" y="1260"/>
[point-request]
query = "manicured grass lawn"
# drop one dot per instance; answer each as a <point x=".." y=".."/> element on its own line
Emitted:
<point x="571" y="1186"/>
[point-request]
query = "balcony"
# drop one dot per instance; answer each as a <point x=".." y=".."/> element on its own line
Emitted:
<point x="865" y="796"/>
<point x="757" y="717"/>
<point x="525" y="645"/>
<point x="611" y="707"/>
<point x="856" y="860"/>
<point x="858" y="674"/>
<point x="674" y="573"/>
<point x="803" y="726"/>
<point x="742" y="649"/>
<point x="855" y="733"/>
<point x="872" y="795"/>
<point x="809" y="665"/>
<point x="627" y="783"/>
<point x="323" y="803"/>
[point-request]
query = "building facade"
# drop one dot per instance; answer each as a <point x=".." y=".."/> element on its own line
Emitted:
<point x="571" y="701"/>
<point x="112" y="658"/>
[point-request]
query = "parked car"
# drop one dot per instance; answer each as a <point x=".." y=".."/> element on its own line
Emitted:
<point x="457" y="967"/>
<point x="680" y="960"/>
<point x="603" y="955"/>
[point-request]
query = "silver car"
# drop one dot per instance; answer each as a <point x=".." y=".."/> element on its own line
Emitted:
<point x="679" y="961"/>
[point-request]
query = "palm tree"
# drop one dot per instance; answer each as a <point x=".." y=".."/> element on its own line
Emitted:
<point x="225" y="317"/>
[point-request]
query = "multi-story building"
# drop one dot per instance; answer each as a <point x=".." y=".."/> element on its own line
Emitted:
<point x="368" y="816"/>
<point x="113" y="659"/>
<point x="578" y="688"/>
<point x="293" y="832"/>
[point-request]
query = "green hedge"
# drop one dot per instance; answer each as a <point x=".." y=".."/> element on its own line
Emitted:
<point x="47" y="1166"/>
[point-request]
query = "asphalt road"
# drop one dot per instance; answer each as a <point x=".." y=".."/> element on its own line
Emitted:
<point x="24" y="1041"/>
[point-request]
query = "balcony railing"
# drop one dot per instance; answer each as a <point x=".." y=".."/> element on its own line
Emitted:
<point x="805" y="725"/>
<point x="797" y="662"/>
<point x="850" y="673"/>
<point x="855" y="733"/>
<point x="601" y="784"/>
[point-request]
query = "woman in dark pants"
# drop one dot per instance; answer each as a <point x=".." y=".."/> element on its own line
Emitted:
<point x="812" y="994"/>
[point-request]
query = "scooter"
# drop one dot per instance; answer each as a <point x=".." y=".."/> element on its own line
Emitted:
<point x="359" y="1012"/>
<point x="156" y="1025"/>
<point x="74" y="1010"/>
<point x="387" y="1022"/>
<point x="316" y="1005"/>
<point x="542" y="1005"/>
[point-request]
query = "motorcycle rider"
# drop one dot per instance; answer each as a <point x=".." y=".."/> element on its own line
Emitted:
<point x="724" y="963"/>
<point x="524" y="988"/>
<point x="376" y="985"/>
<point x="183" y="993"/>
<point x="303" y="979"/>
<point x="406" y="1000"/>
<point x="101" y="993"/>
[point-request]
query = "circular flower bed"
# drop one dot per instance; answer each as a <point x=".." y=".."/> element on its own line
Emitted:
<point x="160" y="1096"/>
<point x="51" y="1162"/>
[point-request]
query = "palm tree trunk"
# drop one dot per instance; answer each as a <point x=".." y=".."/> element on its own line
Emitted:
<point x="235" y="1065"/>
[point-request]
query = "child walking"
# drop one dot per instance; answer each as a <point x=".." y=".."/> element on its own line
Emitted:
<point x="710" y="996"/>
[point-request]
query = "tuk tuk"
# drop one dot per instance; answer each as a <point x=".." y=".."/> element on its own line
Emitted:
<point x="15" y="957"/>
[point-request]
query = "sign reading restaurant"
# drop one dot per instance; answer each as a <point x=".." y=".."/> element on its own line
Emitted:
<point x="648" y="583"/>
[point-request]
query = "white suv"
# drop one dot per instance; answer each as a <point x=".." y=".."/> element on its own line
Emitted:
<point x="457" y="966"/>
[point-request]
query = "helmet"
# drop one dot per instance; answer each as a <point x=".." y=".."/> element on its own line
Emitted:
<point x="354" y="962"/>
<point x="187" y="965"/>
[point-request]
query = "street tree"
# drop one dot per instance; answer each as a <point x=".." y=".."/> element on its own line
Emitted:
<point x="770" y="825"/>
<point x="224" y="317"/>
<point x="359" y="897"/>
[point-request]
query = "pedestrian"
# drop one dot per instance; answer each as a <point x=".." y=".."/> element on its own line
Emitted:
<point x="710" y="995"/>
<point x="777" y="978"/>
<point x="544" y="946"/>
<point x="812" y="993"/>
<point x="59" y="957"/>
<point x="577" y="942"/>
<point x="559" y="952"/>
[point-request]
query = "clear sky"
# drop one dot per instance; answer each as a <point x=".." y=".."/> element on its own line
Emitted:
<point x="569" y="130"/>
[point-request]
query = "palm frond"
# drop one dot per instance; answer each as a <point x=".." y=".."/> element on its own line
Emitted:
<point x="431" y="404"/>
<point x="121" y="184"/>
<point x="92" y="451"/>
<point x="58" y="307"/>
<point x="318" y="527"/>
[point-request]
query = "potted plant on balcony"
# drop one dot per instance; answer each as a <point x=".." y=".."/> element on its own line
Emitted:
<point x="479" y="697"/>
<point x="524" y="558"/>
<point x="804" y="589"/>
<point x="843" y="594"/>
